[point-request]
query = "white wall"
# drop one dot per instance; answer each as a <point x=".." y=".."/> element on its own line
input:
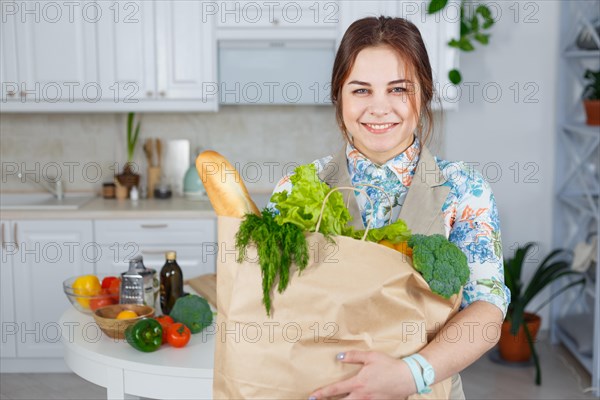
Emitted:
<point x="501" y="132"/>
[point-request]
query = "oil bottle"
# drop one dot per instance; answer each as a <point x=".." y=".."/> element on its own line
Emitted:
<point x="171" y="283"/>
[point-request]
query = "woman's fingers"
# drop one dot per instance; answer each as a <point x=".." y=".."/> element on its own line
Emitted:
<point x="346" y="386"/>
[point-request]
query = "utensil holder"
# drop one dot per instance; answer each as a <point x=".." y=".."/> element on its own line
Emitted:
<point x="153" y="179"/>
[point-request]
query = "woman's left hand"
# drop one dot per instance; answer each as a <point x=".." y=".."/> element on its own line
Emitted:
<point x="381" y="377"/>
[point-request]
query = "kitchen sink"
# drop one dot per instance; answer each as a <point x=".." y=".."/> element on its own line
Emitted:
<point x="42" y="201"/>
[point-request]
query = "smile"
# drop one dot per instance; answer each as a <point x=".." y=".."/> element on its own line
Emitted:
<point x="379" y="128"/>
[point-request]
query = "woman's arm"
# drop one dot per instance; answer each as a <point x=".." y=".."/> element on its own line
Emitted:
<point x="464" y="339"/>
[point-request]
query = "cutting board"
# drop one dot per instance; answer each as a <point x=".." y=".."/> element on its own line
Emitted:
<point x="205" y="286"/>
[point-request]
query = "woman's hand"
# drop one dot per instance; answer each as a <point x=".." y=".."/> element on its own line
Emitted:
<point x="381" y="377"/>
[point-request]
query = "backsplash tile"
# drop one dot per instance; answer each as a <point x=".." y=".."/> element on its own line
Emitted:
<point x="263" y="141"/>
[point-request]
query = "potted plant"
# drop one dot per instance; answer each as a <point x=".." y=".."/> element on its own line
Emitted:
<point x="591" y="97"/>
<point x="128" y="177"/>
<point x="520" y="327"/>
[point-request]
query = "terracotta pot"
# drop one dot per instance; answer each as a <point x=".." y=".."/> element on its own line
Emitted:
<point x="516" y="348"/>
<point x="128" y="178"/>
<point x="592" y="111"/>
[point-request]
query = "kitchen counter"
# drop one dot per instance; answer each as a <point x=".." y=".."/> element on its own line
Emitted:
<point x="100" y="208"/>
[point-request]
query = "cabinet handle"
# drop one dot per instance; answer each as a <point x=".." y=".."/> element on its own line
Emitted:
<point x="149" y="94"/>
<point x="154" y="251"/>
<point x="163" y="93"/>
<point x="154" y="226"/>
<point x="15" y="236"/>
<point x="23" y="94"/>
<point x="276" y="22"/>
<point x="11" y="94"/>
<point x="3" y="244"/>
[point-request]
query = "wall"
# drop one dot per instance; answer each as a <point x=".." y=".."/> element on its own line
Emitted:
<point x="511" y="133"/>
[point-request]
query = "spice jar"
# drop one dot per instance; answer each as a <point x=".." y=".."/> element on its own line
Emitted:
<point x="108" y="190"/>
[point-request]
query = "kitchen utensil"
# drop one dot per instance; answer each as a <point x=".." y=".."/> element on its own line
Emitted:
<point x="105" y="318"/>
<point x="148" y="152"/>
<point x="139" y="285"/>
<point x="159" y="152"/>
<point x="153" y="179"/>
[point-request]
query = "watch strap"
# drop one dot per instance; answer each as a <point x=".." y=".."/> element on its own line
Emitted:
<point x="420" y="368"/>
<point x="416" y="373"/>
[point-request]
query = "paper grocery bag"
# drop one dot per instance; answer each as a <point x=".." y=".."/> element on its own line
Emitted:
<point x="353" y="295"/>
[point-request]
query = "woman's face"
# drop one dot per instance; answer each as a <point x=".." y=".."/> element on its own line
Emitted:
<point x="375" y="104"/>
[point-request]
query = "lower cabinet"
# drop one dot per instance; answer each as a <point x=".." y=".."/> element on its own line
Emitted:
<point x="120" y="240"/>
<point x="37" y="256"/>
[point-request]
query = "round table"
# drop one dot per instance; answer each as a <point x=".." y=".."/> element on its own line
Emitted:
<point x="127" y="373"/>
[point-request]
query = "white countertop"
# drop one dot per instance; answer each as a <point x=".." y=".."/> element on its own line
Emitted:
<point x="100" y="208"/>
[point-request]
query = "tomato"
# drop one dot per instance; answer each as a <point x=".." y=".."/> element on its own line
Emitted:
<point x="178" y="335"/>
<point x="106" y="282"/>
<point x="114" y="288"/>
<point x="86" y="285"/>
<point x="165" y="321"/>
<point x="101" y="302"/>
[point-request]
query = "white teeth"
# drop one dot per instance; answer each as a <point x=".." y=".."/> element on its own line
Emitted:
<point x="379" y="126"/>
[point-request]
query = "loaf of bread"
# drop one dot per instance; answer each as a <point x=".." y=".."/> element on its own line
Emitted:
<point x="224" y="186"/>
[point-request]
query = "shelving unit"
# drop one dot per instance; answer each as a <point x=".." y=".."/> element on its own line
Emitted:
<point x="577" y="186"/>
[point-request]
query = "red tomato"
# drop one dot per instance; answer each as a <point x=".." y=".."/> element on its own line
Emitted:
<point x="112" y="285"/>
<point x="178" y="335"/>
<point x="165" y="321"/>
<point x="101" y="302"/>
<point x="107" y="281"/>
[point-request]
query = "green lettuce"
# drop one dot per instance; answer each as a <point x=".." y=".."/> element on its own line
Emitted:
<point x="302" y="206"/>
<point x="395" y="233"/>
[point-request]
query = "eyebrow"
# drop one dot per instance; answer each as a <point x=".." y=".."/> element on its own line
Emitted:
<point x="389" y="83"/>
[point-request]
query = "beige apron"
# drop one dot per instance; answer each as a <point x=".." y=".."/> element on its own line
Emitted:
<point x="422" y="209"/>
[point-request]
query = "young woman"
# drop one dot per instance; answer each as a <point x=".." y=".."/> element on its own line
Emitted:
<point x="382" y="89"/>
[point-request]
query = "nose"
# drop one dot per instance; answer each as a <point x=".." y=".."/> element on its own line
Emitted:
<point x="380" y="106"/>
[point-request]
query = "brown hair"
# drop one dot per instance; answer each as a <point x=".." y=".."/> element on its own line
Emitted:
<point x="402" y="36"/>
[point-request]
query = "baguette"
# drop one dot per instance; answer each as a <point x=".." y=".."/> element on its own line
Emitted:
<point x="224" y="186"/>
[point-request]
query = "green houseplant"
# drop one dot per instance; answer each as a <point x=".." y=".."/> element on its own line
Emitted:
<point x="128" y="177"/>
<point x="520" y="327"/>
<point x="591" y="97"/>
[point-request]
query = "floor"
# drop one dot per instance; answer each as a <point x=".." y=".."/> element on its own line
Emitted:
<point x="562" y="378"/>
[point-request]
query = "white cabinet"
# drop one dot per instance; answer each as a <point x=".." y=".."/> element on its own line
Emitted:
<point x="107" y="56"/>
<point x="37" y="256"/>
<point x="193" y="240"/>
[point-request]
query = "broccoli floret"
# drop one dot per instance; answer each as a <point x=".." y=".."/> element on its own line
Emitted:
<point x="443" y="265"/>
<point x="193" y="311"/>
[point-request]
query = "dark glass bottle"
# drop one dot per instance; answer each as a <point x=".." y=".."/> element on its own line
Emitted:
<point x="171" y="283"/>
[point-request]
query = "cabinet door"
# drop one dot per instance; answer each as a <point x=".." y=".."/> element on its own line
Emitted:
<point x="56" y="50"/>
<point x="8" y="323"/>
<point x="126" y="56"/>
<point x="193" y="260"/>
<point x="186" y="49"/>
<point x="48" y="253"/>
<point x="8" y="56"/>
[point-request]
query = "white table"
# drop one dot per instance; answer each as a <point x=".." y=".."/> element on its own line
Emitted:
<point x="127" y="373"/>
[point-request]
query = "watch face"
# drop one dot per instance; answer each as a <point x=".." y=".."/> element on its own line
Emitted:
<point x="428" y="376"/>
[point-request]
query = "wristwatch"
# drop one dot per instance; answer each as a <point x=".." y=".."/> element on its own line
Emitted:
<point x="422" y="372"/>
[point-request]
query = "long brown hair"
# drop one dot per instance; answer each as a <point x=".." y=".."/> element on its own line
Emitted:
<point x="402" y="36"/>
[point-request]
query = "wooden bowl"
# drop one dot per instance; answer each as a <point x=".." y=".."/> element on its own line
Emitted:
<point x="106" y="318"/>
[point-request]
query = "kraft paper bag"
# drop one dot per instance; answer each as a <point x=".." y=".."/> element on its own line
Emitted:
<point x="353" y="295"/>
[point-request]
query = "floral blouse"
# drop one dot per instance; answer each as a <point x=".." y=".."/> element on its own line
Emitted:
<point x="469" y="212"/>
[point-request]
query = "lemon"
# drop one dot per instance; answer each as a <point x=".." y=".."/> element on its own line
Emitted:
<point x="127" y="314"/>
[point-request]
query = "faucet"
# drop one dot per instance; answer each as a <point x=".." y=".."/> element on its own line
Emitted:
<point x="56" y="189"/>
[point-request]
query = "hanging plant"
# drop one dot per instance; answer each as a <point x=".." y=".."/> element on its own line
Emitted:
<point x="474" y="27"/>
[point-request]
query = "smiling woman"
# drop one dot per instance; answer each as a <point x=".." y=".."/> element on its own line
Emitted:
<point x="382" y="89"/>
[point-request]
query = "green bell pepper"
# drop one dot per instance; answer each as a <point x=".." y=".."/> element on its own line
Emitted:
<point x="145" y="335"/>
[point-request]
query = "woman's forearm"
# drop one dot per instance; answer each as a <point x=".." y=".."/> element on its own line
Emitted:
<point x="465" y="338"/>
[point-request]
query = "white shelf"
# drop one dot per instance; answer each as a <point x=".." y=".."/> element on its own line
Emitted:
<point x="576" y="207"/>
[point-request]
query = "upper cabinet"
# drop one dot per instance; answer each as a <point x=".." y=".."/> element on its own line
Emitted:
<point x="188" y="55"/>
<point x="107" y="56"/>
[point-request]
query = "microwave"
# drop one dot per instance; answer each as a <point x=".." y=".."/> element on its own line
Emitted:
<point x="275" y="72"/>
